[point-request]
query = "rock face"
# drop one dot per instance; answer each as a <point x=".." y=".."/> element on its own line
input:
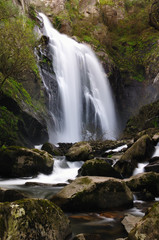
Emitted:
<point x="98" y="167"/>
<point x="140" y="151"/>
<point x="147" y="227"/>
<point x="91" y="193"/>
<point x="145" y="183"/>
<point x="33" y="219"/>
<point x="23" y="162"/>
<point x="79" y="152"/>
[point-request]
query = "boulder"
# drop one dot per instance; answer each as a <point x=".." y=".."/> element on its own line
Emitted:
<point x="125" y="167"/>
<point x="24" y="162"/>
<point x="144" y="183"/>
<point x="94" y="193"/>
<point x="33" y="219"/>
<point x="147" y="227"/>
<point x="10" y="195"/>
<point x="140" y="151"/>
<point x="152" y="167"/>
<point x="130" y="221"/>
<point x="51" y="149"/>
<point x="79" y="152"/>
<point x="98" y="167"/>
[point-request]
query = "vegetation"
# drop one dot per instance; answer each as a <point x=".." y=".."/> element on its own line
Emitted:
<point x="8" y="127"/>
<point x="133" y="41"/>
<point x="17" y="43"/>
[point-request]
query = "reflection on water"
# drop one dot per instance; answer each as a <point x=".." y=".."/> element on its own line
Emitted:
<point x="107" y="225"/>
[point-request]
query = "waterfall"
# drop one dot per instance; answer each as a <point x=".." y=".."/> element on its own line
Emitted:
<point x="83" y="107"/>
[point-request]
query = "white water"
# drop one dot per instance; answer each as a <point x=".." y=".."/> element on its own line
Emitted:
<point x="118" y="149"/>
<point x="62" y="172"/>
<point x="85" y="98"/>
<point x="156" y="152"/>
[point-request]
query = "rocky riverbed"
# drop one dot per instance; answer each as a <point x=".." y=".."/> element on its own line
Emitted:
<point x="103" y="193"/>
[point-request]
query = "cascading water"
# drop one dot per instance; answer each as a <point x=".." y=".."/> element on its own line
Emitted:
<point x="84" y="104"/>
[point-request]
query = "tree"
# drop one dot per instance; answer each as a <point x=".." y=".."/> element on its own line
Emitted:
<point x="17" y="42"/>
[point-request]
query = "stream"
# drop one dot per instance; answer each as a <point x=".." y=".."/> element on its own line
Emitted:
<point x="105" y="225"/>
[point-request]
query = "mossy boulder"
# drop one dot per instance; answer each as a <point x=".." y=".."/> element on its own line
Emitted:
<point x="10" y="195"/>
<point x="24" y="162"/>
<point x="33" y="219"/>
<point x="94" y="193"/>
<point x="147" y="227"/>
<point x="79" y="152"/>
<point x="144" y="183"/>
<point x="51" y="149"/>
<point x="98" y="167"/>
<point x="140" y="151"/>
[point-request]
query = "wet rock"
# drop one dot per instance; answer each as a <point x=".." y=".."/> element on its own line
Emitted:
<point x="10" y="195"/>
<point x="147" y="227"/>
<point x="51" y="149"/>
<point x="152" y="167"/>
<point x="79" y="152"/>
<point x="91" y="193"/>
<point x="64" y="147"/>
<point x="144" y="183"/>
<point x="140" y="151"/>
<point x="155" y="138"/>
<point x="84" y="236"/>
<point x="24" y="162"/>
<point x="33" y="219"/>
<point x="130" y="221"/>
<point x="125" y="167"/>
<point x="98" y="167"/>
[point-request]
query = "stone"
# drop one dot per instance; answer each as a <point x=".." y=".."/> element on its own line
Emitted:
<point x="152" y="167"/>
<point x="140" y="151"/>
<point x="144" y="182"/>
<point x="147" y="227"/>
<point x="33" y="219"/>
<point x="51" y="149"/>
<point x="98" y="167"/>
<point x="130" y="221"/>
<point x="79" y="152"/>
<point x="24" y="162"/>
<point x="84" y="236"/>
<point x="10" y="195"/>
<point x="94" y="193"/>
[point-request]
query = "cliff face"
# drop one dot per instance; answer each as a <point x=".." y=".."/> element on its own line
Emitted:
<point x="122" y="36"/>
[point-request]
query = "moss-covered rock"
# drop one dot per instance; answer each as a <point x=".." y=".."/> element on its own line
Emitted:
<point x="21" y="122"/>
<point x="92" y="193"/>
<point x="140" y="151"/>
<point x="144" y="183"/>
<point x="147" y="118"/>
<point x="23" y="162"/>
<point x="33" y="219"/>
<point x="51" y="149"/>
<point x="98" y="167"/>
<point x="79" y="152"/>
<point x="147" y="227"/>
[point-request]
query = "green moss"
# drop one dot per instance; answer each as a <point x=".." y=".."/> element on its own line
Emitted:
<point x="133" y="42"/>
<point x="84" y="180"/>
<point x="8" y="126"/>
<point x="107" y="2"/>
